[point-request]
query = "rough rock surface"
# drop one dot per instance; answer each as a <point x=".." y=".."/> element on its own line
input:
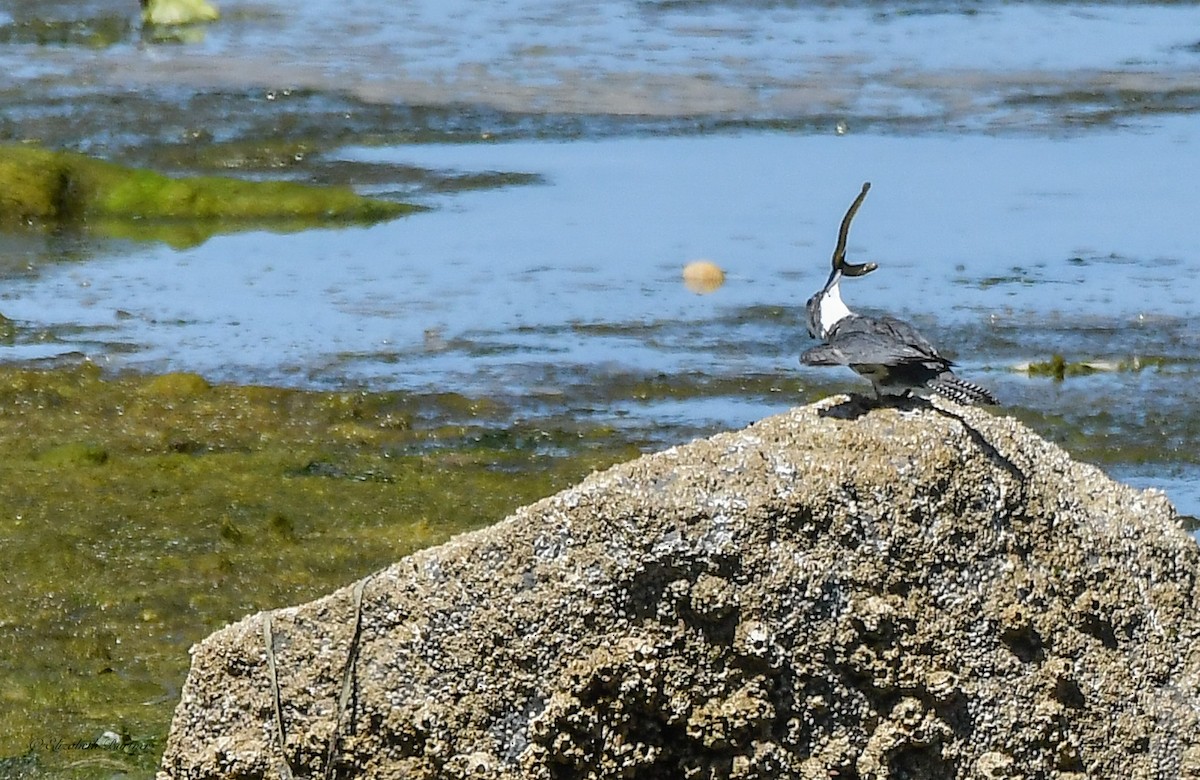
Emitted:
<point x="922" y="593"/>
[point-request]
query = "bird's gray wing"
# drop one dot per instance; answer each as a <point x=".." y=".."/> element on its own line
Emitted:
<point x="871" y="341"/>
<point x="906" y="333"/>
<point x="824" y="355"/>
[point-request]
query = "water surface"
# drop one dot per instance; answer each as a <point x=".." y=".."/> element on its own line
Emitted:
<point x="1032" y="197"/>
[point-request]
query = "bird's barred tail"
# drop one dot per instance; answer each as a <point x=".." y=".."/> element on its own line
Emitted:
<point x="961" y="391"/>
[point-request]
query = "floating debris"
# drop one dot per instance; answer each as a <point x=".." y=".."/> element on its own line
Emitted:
<point x="703" y="276"/>
<point x="1060" y="368"/>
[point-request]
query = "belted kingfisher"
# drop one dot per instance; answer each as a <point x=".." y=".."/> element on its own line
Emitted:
<point x="889" y="352"/>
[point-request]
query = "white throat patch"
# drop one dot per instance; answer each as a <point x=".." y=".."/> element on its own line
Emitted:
<point x="832" y="309"/>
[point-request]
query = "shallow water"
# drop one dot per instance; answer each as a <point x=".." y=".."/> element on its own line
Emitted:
<point x="539" y="290"/>
<point x="972" y="236"/>
<point x="1032" y="196"/>
<point x="933" y="65"/>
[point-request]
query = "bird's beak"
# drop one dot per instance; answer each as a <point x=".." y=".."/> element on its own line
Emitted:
<point x="834" y="276"/>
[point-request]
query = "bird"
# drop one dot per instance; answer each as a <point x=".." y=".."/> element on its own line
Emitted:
<point x="889" y="352"/>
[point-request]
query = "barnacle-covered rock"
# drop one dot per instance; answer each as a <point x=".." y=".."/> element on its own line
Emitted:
<point x="931" y="592"/>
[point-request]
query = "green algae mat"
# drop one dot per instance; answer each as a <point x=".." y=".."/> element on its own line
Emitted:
<point x="44" y="188"/>
<point x="138" y="514"/>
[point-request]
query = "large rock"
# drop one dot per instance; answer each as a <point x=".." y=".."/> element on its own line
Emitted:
<point x="924" y="593"/>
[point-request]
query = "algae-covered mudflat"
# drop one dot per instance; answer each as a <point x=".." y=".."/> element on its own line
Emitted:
<point x="60" y="190"/>
<point x="139" y="514"/>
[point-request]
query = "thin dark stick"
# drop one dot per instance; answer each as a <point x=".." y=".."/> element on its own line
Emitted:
<point x="276" y="699"/>
<point x="347" y="678"/>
